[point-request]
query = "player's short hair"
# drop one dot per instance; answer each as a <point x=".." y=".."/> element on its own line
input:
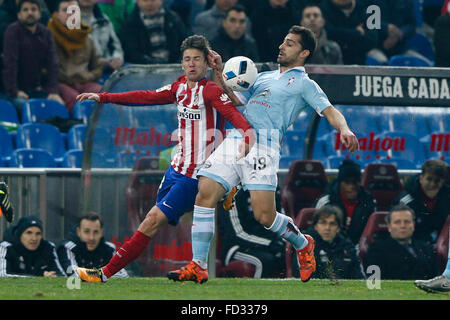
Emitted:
<point x="436" y="167"/>
<point x="327" y="211"/>
<point x="307" y="39"/>
<point x="21" y="2"/>
<point x="198" y="42"/>
<point x="91" y="216"/>
<point x="237" y="8"/>
<point x="400" y="207"/>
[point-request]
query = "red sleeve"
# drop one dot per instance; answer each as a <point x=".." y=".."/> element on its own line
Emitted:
<point x="219" y="100"/>
<point x="162" y="95"/>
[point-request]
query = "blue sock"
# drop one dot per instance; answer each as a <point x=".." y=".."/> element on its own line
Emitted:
<point x="284" y="226"/>
<point x="447" y="268"/>
<point x="202" y="233"/>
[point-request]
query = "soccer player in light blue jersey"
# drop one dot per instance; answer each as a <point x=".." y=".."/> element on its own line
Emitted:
<point x="272" y="104"/>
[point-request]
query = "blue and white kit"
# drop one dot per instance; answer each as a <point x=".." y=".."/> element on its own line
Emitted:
<point x="272" y="104"/>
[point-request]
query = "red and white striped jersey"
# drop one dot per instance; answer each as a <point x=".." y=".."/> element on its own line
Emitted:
<point x="199" y="123"/>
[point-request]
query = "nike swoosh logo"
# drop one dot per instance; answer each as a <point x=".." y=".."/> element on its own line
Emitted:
<point x="164" y="203"/>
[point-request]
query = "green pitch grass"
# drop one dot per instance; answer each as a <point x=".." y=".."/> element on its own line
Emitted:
<point x="215" y="289"/>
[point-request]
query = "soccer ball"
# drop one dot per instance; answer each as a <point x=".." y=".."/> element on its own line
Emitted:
<point x="239" y="73"/>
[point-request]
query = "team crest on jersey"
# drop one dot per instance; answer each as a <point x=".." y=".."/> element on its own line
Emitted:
<point x="168" y="87"/>
<point x="224" y="98"/>
<point x="291" y="80"/>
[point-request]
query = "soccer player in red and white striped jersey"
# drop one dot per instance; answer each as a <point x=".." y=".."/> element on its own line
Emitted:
<point x="199" y="102"/>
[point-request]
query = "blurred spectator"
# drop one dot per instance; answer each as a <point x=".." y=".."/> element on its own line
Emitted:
<point x="117" y="11"/>
<point x="25" y="253"/>
<point x="30" y="62"/>
<point x="107" y="44"/>
<point x="442" y="38"/>
<point x="346" y="24"/>
<point x="398" y="26"/>
<point x="271" y="22"/>
<point x="242" y="238"/>
<point x="445" y="8"/>
<point x="428" y="195"/>
<point x="335" y="253"/>
<point x="208" y="22"/>
<point x="400" y="256"/>
<point x="8" y="15"/>
<point x="346" y="193"/>
<point x="327" y="51"/>
<point x="86" y="247"/>
<point x="79" y="65"/>
<point x="232" y="40"/>
<point x="152" y="34"/>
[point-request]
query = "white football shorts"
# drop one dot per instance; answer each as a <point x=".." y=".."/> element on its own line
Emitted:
<point x="257" y="171"/>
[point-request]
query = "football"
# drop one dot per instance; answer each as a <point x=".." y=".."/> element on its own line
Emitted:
<point x="239" y="73"/>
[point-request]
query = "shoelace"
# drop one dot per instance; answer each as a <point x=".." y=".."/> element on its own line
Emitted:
<point x="188" y="271"/>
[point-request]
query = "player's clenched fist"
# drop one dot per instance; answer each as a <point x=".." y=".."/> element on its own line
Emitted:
<point x="88" y="96"/>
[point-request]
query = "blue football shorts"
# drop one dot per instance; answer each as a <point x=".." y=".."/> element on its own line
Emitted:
<point x="176" y="195"/>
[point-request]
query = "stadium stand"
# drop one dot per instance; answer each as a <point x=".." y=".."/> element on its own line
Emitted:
<point x="305" y="181"/>
<point x="32" y="158"/>
<point x="383" y="182"/>
<point x="82" y="110"/>
<point x="422" y="44"/>
<point x="36" y="110"/>
<point x="8" y="113"/>
<point x="408" y="61"/>
<point x="75" y="137"/>
<point x="72" y="159"/>
<point x="375" y="227"/>
<point x="42" y="136"/>
<point x="7" y="146"/>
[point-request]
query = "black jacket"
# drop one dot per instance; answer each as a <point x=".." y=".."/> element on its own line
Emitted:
<point x="16" y="260"/>
<point x="135" y="39"/>
<point x="270" y="26"/>
<point x="396" y="262"/>
<point x="365" y="207"/>
<point x="427" y="222"/>
<point x="73" y="252"/>
<point x="441" y="41"/>
<point x="401" y="14"/>
<point x="342" y="29"/>
<point x="239" y="227"/>
<point x="338" y="259"/>
<point x="228" y="48"/>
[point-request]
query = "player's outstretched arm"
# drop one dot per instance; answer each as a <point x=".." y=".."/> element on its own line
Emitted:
<point x="337" y="120"/>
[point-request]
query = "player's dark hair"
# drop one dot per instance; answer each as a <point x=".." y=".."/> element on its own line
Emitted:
<point x="307" y="39"/>
<point x="436" y="167"/>
<point x="237" y="8"/>
<point x="21" y="2"/>
<point x="399" y="207"/>
<point x="196" y="42"/>
<point x="91" y="216"/>
<point x="327" y="211"/>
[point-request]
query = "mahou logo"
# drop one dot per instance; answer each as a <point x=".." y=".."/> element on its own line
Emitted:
<point x="371" y="143"/>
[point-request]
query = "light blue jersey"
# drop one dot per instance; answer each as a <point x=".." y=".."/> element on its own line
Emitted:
<point x="276" y="99"/>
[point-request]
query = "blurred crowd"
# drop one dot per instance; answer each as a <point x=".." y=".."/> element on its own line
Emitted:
<point x="56" y="49"/>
